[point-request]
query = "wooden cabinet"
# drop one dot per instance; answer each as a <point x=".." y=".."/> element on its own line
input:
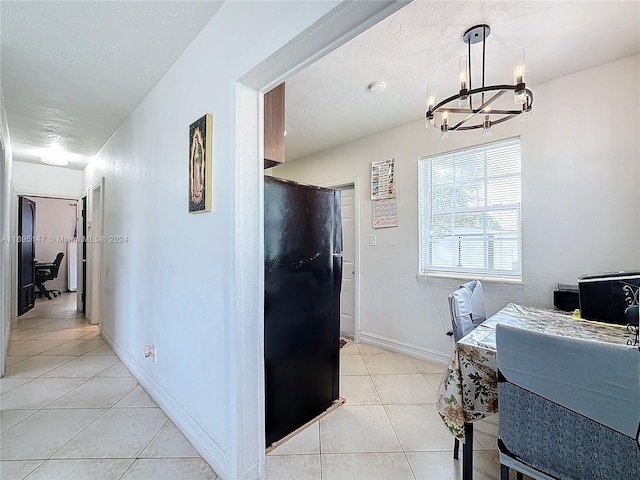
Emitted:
<point x="274" y="125"/>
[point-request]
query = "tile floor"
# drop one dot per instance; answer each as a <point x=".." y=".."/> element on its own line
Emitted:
<point x="70" y="410"/>
<point x="387" y="429"/>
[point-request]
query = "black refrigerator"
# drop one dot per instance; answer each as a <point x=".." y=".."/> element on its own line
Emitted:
<point x="303" y="274"/>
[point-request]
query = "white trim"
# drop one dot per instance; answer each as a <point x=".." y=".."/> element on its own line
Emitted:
<point x="95" y="316"/>
<point x="470" y="276"/>
<point x="405" y="348"/>
<point x="42" y="194"/>
<point x="81" y="241"/>
<point x="206" y="446"/>
<point x="245" y="403"/>
<point x="355" y="183"/>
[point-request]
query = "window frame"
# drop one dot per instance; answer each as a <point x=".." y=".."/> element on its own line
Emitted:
<point x="425" y="217"/>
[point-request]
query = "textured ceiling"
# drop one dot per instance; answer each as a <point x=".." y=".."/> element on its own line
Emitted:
<point x="328" y="103"/>
<point x="72" y="72"/>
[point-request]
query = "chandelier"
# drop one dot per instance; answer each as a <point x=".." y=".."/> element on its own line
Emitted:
<point x="472" y="108"/>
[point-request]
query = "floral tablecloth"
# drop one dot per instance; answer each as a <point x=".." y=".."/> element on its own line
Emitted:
<point x="469" y="388"/>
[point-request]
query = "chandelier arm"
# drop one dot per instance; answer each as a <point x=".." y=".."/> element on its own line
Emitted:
<point x="482" y="107"/>
<point x="490" y="88"/>
<point x="445" y="101"/>
<point x="504" y="119"/>
<point x="493" y="122"/>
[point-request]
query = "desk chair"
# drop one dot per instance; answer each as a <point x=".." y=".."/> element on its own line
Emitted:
<point x="46" y="272"/>
<point x="569" y="408"/>
<point x="466" y="307"/>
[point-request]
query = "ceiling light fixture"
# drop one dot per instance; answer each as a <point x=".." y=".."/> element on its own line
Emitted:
<point x="57" y="161"/>
<point x="55" y="155"/>
<point x="473" y="108"/>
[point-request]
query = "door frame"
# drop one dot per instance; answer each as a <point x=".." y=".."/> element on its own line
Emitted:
<point x="81" y="254"/>
<point x="22" y="202"/>
<point x="97" y="189"/>
<point x="5" y="255"/>
<point x="246" y="426"/>
<point x="14" y="231"/>
<point x="346" y="184"/>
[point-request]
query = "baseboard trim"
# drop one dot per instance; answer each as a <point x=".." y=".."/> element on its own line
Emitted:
<point x="404" y="348"/>
<point x="206" y="446"/>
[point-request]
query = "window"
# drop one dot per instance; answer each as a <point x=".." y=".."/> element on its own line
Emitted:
<point x="469" y="207"/>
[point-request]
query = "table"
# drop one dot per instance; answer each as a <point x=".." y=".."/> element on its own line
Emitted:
<point x="469" y="388"/>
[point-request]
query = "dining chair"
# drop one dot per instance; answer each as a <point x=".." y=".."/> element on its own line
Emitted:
<point x="569" y="408"/>
<point x="466" y="308"/>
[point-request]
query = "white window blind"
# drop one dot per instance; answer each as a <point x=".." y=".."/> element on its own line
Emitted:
<point x="469" y="207"/>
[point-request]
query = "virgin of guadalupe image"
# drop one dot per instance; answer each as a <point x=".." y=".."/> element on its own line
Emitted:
<point x="196" y="173"/>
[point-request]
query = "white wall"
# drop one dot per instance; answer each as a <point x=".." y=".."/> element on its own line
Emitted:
<point x="55" y="224"/>
<point x="175" y="283"/>
<point x="580" y="203"/>
<point x="47" y="180"/>
<point x="5" y="232"/>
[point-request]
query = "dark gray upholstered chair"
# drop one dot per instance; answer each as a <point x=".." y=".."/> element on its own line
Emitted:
<point x="46" y="272"/>
<point x="569" y="408"/>
<point x="466" y="307"/>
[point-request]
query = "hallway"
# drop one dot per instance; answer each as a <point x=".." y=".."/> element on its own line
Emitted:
<point x="70" y="410"/>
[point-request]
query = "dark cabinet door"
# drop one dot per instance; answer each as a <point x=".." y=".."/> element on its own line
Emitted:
<point x="274" y="126"/>
<point x="26" y="254"/>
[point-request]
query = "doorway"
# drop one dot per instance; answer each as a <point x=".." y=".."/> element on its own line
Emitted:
<point x="347" y="293"/>
<point x="26" y="254"/>
<point x="350" y="288"/>
<point x="82" y="284"/>
<point x="47" y="264"/>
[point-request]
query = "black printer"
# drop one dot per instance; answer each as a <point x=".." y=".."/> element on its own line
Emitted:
<point x="605" y="296"/>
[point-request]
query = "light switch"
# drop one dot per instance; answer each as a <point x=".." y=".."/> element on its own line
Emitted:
<point x="372" y="240"/>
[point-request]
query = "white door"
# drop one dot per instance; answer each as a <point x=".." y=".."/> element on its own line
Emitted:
<point x="347" y="296"/>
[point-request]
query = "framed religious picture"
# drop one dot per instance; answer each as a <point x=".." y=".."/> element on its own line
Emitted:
<point x="200" y="162"/>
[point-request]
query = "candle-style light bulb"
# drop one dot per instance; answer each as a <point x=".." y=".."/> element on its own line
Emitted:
<point x="444" y="128"/>
<point x="463" y="76"/>
<point x="486" y="125"/>
<point x="431" y="101"/>
<point x="463" y="79"/>
<point x="526" y="112"/>
<point x="519" y="71"/>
